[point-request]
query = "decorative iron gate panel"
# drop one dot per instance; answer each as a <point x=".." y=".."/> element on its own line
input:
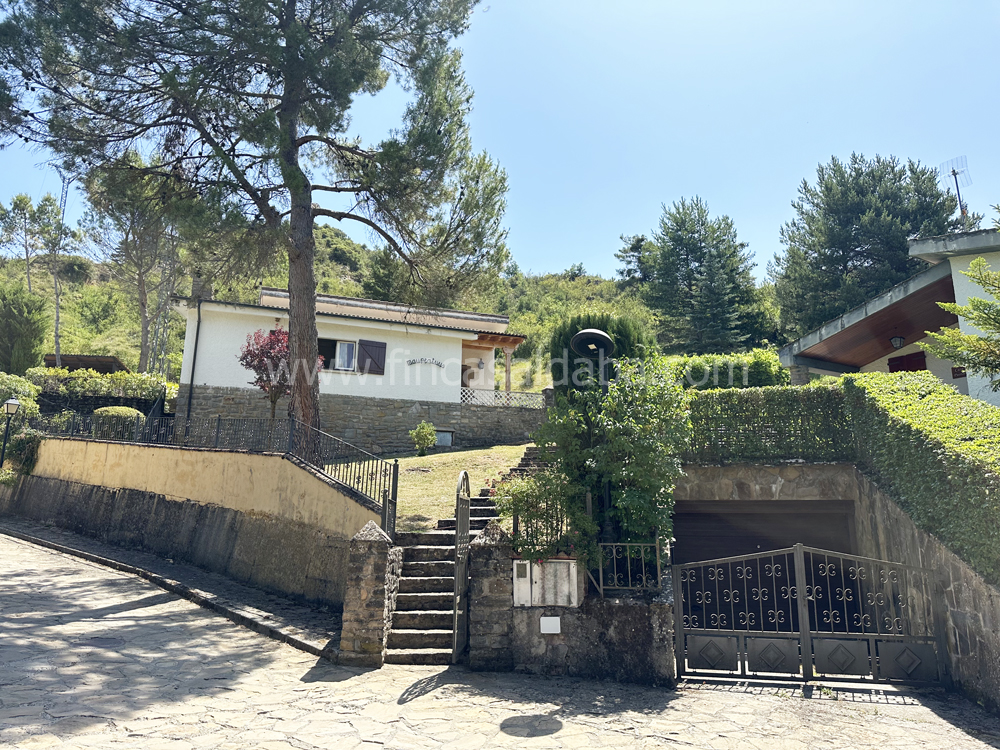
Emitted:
<point x="463" y="498"/>
<point x="803" y="611"/>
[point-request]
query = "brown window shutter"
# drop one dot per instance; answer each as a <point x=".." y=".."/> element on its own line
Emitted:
<point x="916" y="362"/>
<point x="371" y="357"/>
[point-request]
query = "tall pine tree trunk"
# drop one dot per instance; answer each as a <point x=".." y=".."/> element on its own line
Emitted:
<point x="303" y="340"/>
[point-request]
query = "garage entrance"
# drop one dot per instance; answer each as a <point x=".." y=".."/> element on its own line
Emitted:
<point x="801" y="612"/>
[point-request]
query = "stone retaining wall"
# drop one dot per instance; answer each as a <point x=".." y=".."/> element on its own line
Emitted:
<point x="378" y="425"/>
<point x="276" y="554"/>
<point x="968" y="606"/>
<point x="627" y="640"/>
<point x="373" y="572"/>
<point x="790" y="481"/>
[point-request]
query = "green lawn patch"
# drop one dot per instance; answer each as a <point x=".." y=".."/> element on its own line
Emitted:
<point x="427" y="484"/>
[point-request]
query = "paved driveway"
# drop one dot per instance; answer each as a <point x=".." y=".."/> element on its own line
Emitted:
<point x="91" y="658"/>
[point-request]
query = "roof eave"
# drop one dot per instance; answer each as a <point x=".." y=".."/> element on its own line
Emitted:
<point x="787" y="354"/>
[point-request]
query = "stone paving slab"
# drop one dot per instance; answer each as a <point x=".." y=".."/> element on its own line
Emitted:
<point x="314" y="630"/>
<point x="94" y="658"/>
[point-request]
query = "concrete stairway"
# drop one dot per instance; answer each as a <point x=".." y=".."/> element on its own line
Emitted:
<point x="422" y="626"/>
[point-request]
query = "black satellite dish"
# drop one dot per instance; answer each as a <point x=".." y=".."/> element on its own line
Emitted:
<point x="593" y="343"/>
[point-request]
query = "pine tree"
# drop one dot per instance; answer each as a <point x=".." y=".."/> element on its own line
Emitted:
<point x="848" y="242"/>
<point x="697" y="275"/>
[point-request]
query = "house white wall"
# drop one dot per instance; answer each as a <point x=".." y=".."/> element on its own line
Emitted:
<point x="939" y="367"/>
<point x="412" y="353"/>
<point x="979" y="387"/>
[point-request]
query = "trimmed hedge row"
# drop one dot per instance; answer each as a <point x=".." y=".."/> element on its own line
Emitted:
<point x="769" y="424"/>
<point x="934" y="451"/>
<point x="937" y="453"/>
<point x="754" y="369"/>
<point x="86" y="383"/>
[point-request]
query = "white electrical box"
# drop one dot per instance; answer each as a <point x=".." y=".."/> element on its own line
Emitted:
<point x="550" y="583"/>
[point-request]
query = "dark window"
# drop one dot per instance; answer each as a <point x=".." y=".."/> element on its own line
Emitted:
<point x="328" y="351"/>
<point x="371" y="357"/>
<point x="908" y="362"/>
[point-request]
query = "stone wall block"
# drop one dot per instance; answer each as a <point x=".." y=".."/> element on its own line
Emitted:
<point x="968" y="607"/>
<point x="377" y="424"/>
<point x="370" y="597"/>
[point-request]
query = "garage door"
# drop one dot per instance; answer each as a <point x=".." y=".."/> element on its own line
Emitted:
<point x="710" y="529"/>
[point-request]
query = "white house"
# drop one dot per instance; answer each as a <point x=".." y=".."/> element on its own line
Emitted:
<point x="882" y="334"/>
<point x="369" y="348"/>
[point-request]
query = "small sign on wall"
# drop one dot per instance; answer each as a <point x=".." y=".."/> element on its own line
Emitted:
<point x="549" y="625"/>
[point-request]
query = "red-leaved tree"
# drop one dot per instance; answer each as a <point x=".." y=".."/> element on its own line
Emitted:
<point x="266" y="356"/>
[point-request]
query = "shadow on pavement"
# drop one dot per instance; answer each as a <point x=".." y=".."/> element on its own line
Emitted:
<point x="66" y="665"/>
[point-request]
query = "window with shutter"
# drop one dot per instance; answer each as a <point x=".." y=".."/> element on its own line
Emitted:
<point x="915" y="362"/>
<point x="371" y="357"/>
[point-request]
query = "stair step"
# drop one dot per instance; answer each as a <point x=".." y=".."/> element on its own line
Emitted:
<point x="434" y="601"/>
<point x="425" y="539"/>
<point x="489" y="511"/>
<point x="424" y="619"/>
<point x="407" y="639"/>
<point x="429" y="569"/>
<point x="474" y="523"/>
<point x="426" y="584"/>
<point x="429" y="554"/>
<point x="418" y="656"/>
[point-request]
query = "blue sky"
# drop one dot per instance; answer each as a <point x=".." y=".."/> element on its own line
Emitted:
<point x="600" y="112"/>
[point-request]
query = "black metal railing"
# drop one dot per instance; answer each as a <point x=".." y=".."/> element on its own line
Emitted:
<point x="629" y="566"/>
<point x="363" y="472"/>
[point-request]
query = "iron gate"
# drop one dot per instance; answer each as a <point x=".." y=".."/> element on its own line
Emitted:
<point x="805" y="612"/>
<point x="463" y="497"/>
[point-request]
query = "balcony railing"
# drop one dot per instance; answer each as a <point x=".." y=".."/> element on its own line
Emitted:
<point x="516" y="399"/>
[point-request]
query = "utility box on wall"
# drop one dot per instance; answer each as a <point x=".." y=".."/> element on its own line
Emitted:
<point x="551" y="583"/>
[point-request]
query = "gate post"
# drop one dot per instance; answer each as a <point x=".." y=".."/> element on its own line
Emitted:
<point x="680" y="647"/>
<point x="805" y="637"/>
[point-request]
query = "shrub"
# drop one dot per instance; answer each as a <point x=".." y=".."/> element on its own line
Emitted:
<point x="24" y="322"/>
<point x="937" y="453"/>
<point x="552" y="517"/>
<point x="22" y="449"/>
<point x="11" y="386"/>
<point x="115" y="422"/>
<point x="424" y="436"/>
<point x="754" y="369"/>
<point x="84" y="383"/>
<point x="632" y="437"/>
<point x="631" y="339"/>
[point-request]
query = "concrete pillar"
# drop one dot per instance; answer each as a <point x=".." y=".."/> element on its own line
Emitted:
<point x="799" y="375"/>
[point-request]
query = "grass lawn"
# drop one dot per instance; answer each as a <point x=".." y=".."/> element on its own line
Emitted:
<point x="427" y="485"/>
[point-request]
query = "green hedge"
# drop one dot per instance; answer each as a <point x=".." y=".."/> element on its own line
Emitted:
<point x="83" y="383"/>
<point x="937" y="453"/>
<point x="754" y="369"/>
<point x="769" y="424"/>
<point x="11" y="386"/>
<point x="115" y="422"/>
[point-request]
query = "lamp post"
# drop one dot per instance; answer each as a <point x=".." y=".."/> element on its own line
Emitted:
<point x="593" y="343"/>
<point x="10" y="407"/>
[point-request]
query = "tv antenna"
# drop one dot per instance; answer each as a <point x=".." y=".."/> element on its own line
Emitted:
<point x="958" y="170"/>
